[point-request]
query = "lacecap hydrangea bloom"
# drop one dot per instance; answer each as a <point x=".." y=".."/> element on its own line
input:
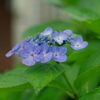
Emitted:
<point x="46" y="46"/>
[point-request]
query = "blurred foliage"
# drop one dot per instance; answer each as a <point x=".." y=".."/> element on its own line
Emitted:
<point x="84" y="19"/>
<point x="47" y="93"/>
<point x="56" y="25"/>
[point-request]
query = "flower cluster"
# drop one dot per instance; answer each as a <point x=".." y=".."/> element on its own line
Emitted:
<point x="47" y="46"/>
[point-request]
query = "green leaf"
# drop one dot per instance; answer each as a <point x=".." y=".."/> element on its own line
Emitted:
<point x="86" y="76"/>
<point x="4" y="95"/>
<point x="93" y="95"/>
<point x="84" y="53"/>
<point x="56" y="25"/>
<point x="51" y="93"/>
<point x="69" y="49"/>
<point x="81" y="14"/>
<point x="22" y="87"/>
<point x="93" y="25"/>
<point x="41" y="74"/>
<point x="13" y="78"/>
<point x="90" y="4"/>
<point x="92" y="61"/>
<point x="60" y="83"/>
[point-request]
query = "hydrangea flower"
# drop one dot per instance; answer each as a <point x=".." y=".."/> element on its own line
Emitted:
<point x="31" y="54"/>
<point x="47" y="46"/>
<point x="78" y="43"/>
<point x="59" y="37"/>
<point x="59" y="53"/>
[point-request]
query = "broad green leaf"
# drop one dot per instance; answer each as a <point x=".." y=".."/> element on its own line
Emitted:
<point x="93" y="95"/>
<point x="56" y="25"/>
<point x="92" y="61"/>
<point x="41" y="74"/>
<point x="60" y="83"/>
<point x="88" y="64"/>
<point x="93" y="25"/>
<point x="69" y="49"/>
<point x="86" y="76"/>
<point x="84" y="53"/>
<point x="48" y="93"/>
<point x="90" y="4"/>
<point x="15" y="95"/>
<point x="51" y="93"/>
<point x="22" y="87"/>
<point x="4" y="95"/>
<point x="80" y="14"/>
<point x="13" y="78"/>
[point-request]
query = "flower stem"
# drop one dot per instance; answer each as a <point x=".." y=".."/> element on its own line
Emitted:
<point x="68" y="82"/>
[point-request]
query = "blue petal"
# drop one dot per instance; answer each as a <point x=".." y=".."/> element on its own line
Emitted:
<point x="28" y="46"/>
<point x="37" y="49"/>
<point x="8" y="54"/>
<point x="18" y="46"/>
<point x="63" y="35"/>
<point x="60" y="58"/>
<point x="47" y="31"/>
<point x="78" y="43"/>
<point x="62" y="50"/>
<point x="84" y="44"/>
<point x="68" y="31"/>
<point x="55" y="33"/>
<point x="60" y="37"/>
<point x="28" y="61"/>
<point x="79" y="38"/>
<point x="47" y="57"/>
<point x="45" y="47"/>
<point x="54" y="49"/>
<point x="25" y="53"/>
<point x="38" y="58"/>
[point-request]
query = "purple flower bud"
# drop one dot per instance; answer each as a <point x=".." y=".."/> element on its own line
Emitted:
<point x="78" y="43"/>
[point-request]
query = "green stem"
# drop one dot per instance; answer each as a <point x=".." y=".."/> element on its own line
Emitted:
<point x="67" y="92"/>
<point x="71" y="87"/>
